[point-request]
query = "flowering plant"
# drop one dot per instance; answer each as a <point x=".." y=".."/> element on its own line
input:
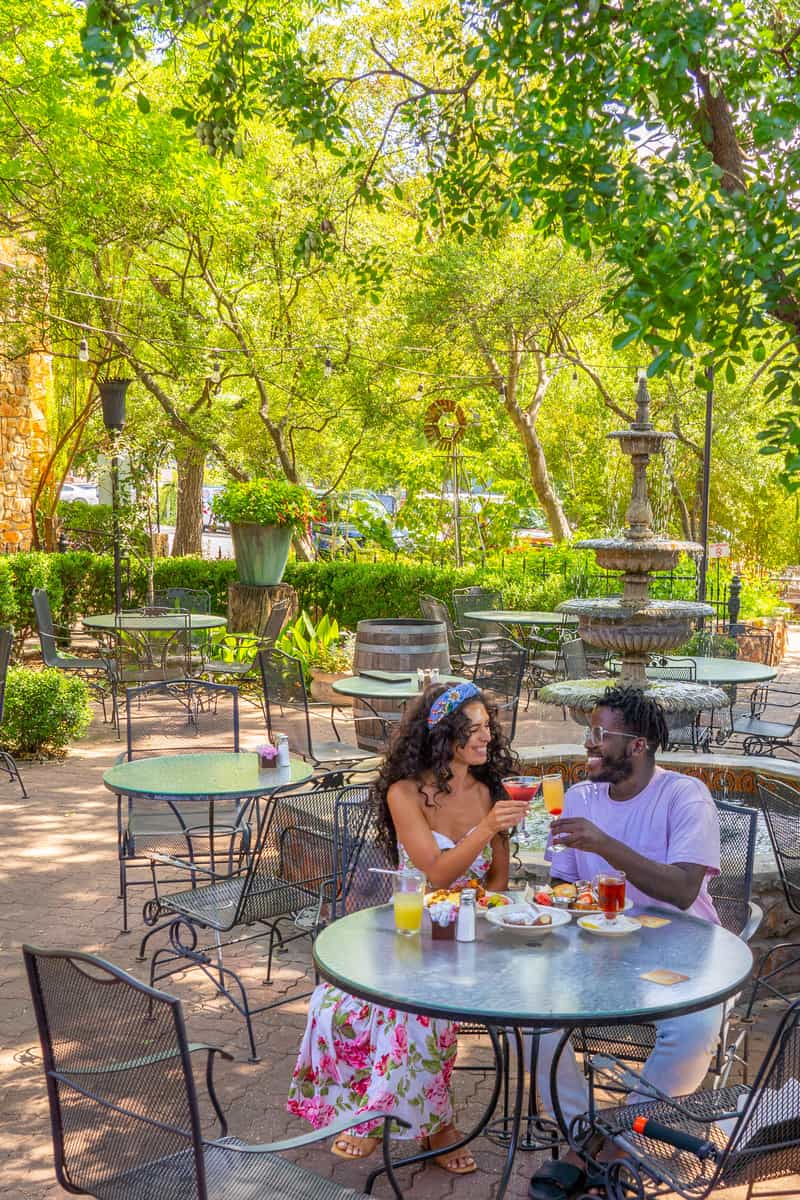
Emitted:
<point x="265" y="502"/>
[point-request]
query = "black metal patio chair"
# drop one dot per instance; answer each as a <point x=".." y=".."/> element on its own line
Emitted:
<point x="124" y="1109"/>
<point x="183" y="599"/>
<point x="730" y="891"/>
<point x="780" y="804"/>
<point x="232" y="656"/>
<point x="763" y="738"/>
<point x="679" y="1146"/>
<point x="178" y="717"/>
<point x="284" y="687"/>
<point x="690" y="735"/>
<point x="477" y="599"/>
<point x="297" y="874"/>
<point x="500" y="671"/>
<point x="463" y="644"/>
<point x="7" y="764"/>
<point x="100" y="673"/>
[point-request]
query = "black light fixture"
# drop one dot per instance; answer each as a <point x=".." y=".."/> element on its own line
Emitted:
<point x="112" y="397"/>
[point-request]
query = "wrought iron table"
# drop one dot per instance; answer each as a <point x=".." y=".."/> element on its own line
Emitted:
<point x="402" y="687"/>
<point x="567" y="978"/>
<point x="209" y="775"/>
<point x="172" y="622"/>
<point x="522" y="618"/>
<point x="719" y="671"/>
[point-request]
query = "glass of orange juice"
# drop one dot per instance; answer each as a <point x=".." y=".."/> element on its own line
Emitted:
<point x="553" y="799"/>
<point x="408" y="896"/>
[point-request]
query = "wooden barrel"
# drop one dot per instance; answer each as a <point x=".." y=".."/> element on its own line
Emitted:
<point x="394" y="644"/>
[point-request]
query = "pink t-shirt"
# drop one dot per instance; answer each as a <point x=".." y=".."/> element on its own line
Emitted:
<point x="671" y="820"/>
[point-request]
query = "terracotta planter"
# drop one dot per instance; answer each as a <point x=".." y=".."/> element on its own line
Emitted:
<point x="261" y="552"/>
<point x="322" y="690"/>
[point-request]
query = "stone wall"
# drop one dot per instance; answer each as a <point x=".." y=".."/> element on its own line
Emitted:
<point x="24" y="386"/>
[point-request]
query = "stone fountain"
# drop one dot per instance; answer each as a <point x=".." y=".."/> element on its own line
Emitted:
<point x="633" y="626"/>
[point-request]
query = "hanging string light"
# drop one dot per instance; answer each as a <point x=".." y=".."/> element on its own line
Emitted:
<point x="328" y="366"/>
<point x="83" y="350"/>
<point x="214" y="376"/>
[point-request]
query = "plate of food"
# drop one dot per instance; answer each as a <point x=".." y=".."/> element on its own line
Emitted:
<point x="453" y="895"/>
<point x="527" y="919"/>
<point x="598" y="924"/>
<point x="577" y="898"/>
<point x="490" y="901"/>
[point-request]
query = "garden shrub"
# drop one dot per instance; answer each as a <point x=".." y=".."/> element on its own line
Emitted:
<point x="30" y="570"/>
<point x="8" y="599"/>
<point x="90" y="526"/>
<point x="44" y="712"/>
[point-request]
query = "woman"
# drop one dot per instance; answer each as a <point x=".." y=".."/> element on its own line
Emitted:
<point x="441" y="808"/>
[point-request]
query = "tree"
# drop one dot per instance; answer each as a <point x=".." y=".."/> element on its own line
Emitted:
<point x="664" y="132"/>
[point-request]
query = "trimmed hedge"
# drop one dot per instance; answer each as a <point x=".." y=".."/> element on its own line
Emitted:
<point x="44" y="712"/>
<point x="80" y="582"/>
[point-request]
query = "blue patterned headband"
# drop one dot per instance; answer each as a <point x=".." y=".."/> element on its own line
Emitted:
<point x="450" y="700"/>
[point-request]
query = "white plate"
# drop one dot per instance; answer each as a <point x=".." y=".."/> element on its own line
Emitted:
<point x="581" y="912"/>
<point x="479" y="908"/>
<point x="596" y="923"/>
<point x="559" y="918"/>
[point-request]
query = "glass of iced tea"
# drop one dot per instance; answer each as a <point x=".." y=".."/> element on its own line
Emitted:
<point x="408" y="897"/>
<point x="523" y="788"/>
<point x="610" y="888"/>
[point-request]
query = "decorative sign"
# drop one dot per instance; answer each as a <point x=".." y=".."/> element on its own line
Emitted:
<point x="719" y="550"/>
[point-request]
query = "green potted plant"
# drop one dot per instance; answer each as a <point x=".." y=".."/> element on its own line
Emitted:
<point x="263" y="515"/>
<point x="325" y="651"/>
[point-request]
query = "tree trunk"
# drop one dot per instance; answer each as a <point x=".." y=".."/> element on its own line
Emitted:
<point x="540" y="478"/>
<point x="189" y="521"/>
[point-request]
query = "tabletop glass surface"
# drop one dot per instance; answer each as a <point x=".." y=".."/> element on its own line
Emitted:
<point x="141" y="624"/>
<point x="213" y="773"/>
<point x="723" y="670"/>
<point x="403" y="687"/>
<point x="567" y="977"/>
<point x="508" y="616"/>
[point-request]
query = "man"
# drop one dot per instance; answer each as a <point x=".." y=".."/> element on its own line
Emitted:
<point x="661" y="828"/>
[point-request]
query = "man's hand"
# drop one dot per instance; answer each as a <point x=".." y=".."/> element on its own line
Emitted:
<point x="576" y="833"/>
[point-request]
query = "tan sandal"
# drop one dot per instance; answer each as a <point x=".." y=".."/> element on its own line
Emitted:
<point x="447" y="1160"/>
<point x="359" y="1147"/>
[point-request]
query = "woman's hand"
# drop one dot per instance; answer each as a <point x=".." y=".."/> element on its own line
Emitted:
<point x="504" y="816"/>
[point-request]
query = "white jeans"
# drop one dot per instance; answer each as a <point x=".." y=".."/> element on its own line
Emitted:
<point x="677" y="1065"/>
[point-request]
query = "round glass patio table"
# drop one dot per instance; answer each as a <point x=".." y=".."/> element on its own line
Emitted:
<point x="719" y="671"/>
<point x="219" y="775"/>
<point x="403" y="685"/>
<point x="166" y="623"/>
<point x="509" y="616"/>
<point x="566" y="978"/>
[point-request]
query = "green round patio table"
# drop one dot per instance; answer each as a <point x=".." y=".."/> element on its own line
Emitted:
<point x="171" y="622"/>
<point x="391" y="685"/>
<point x="217" y="775"/>
<point x="718" y="671"/>
<point x="510" y="616"/>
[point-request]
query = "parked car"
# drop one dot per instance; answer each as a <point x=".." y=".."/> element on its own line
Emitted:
<point x="78" y="490"/>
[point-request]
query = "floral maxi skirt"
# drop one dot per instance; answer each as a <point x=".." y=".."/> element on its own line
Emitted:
<point x="356" y="1056"/>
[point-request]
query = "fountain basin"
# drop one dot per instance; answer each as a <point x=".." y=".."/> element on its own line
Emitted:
<point x="642" y="440"/>
<point x="638" y="555"/>
<point x="680" y="701"/>
<point x="636" y="628"/>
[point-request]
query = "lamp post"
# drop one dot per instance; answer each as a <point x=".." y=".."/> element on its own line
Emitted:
<point x="702" y="579"/>
<point x="112" y="396"/>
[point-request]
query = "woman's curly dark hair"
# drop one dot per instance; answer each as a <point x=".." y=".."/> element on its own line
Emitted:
<point x="415" y="750"/>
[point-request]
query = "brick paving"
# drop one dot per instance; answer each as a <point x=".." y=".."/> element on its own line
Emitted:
<point x="58" y="887"/>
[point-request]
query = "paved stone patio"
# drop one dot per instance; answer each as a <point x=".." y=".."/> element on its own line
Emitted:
<point x="58" y="888"/>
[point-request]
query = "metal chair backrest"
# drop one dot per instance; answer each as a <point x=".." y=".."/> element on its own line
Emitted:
<point x="780" y="804"/>
<point x="298" y="852"/>
<point x="6" y="646"/>
<point x="765" y="1142"/>
<point x="183" y="600"/>
<point x="284" y="686"/>
<point x="44" y="626"/>
<point x="499" y="669"/>
<point x="573" y="652"/>
<point x="437" y="610"/>
<point x="731" y="889"/>
<point x="181" y="716"/>
<point x="477" y="599"/>
<point x="357" y="835"/>
<point x="119" y="1080"/>
<point x="675" y="668"/>
<point x="276" y="620"/>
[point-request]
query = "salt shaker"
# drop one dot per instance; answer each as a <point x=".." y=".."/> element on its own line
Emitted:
<point x="465" y="929"/>
<point x="282" y="742"/>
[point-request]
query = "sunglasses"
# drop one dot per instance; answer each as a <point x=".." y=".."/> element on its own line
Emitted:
<point x="597" y="734"/>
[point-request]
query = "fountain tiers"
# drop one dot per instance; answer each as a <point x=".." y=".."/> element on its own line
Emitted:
<point x="632" y="625"/>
